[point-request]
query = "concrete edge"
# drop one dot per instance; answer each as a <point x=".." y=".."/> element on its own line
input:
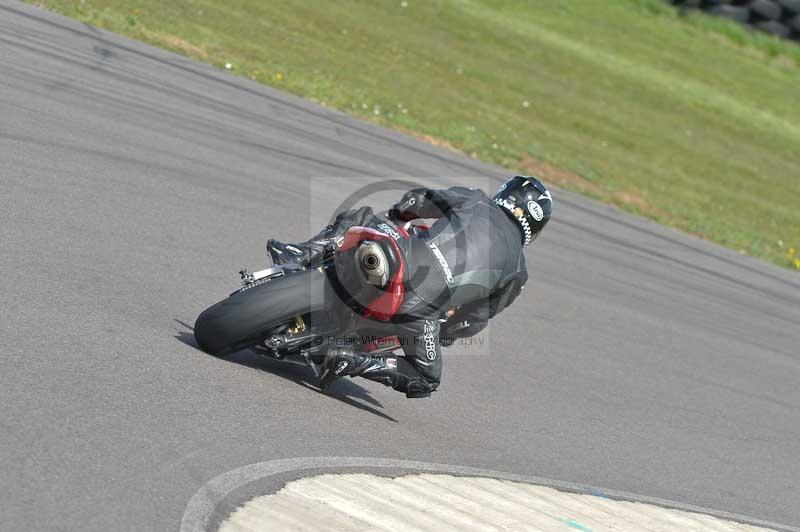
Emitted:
<point x="200" y="510"/>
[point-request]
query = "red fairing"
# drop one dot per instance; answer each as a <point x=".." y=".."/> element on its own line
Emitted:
<point x="406" y="229"/>
<point x="382" y="343"/>
<point x="385" y="306"/>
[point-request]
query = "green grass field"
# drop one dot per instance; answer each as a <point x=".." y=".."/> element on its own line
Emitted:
<point x="688" y="120"/>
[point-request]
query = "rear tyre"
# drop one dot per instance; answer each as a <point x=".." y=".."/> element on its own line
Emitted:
<point x="247" y="316"/>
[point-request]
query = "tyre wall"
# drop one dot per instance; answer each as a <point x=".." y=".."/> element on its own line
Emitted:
<point x="777" y="17"/>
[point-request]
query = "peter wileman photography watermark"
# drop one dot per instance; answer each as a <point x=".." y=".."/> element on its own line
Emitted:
<point x="368" y="200"/>
<point x="477" y="341"/>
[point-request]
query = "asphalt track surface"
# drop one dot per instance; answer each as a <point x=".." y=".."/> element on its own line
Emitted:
<point x="134" y="184"/>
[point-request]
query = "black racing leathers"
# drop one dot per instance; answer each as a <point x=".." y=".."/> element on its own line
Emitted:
<point x="469" y="262"/>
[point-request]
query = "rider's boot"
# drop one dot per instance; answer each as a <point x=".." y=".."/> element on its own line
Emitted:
<point x="390" y="371"/>
<point x="315" y="249"/>
<point x="305" y="253"/>
<point x="312" y="251"/>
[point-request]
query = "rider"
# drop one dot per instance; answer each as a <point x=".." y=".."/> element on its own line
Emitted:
<point x="475" y="268"/>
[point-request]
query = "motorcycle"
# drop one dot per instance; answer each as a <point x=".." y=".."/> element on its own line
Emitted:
<point x="295" y="314"/>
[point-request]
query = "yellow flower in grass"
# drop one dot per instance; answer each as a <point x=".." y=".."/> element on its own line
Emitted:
<point x="796" y="263"/>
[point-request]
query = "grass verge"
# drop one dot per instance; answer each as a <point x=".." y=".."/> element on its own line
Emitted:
<point x="688" y="120"/>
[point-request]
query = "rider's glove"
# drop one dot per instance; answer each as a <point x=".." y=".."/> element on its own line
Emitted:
<point x="409" y="206"/>
<point x="397" y="216"/>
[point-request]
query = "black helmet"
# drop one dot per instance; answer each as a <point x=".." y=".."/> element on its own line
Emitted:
<point x="527" y="201"/>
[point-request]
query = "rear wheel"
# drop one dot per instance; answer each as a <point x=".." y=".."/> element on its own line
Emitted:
<point x="248" y="316"/>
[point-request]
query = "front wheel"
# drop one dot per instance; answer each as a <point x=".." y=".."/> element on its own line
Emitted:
<point x="246" y="317"/>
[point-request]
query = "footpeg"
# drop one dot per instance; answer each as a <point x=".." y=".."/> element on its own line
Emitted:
<point x="310" y="362"/>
